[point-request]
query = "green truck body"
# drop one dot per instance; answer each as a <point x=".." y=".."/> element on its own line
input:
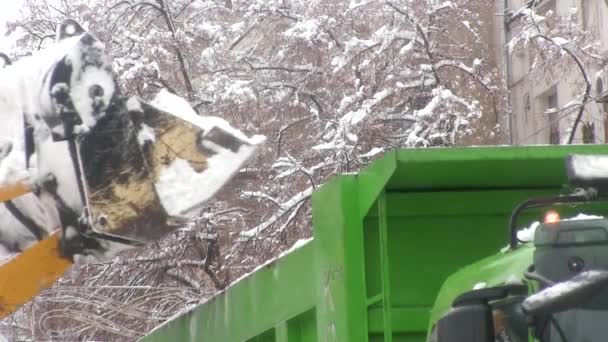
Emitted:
<point x="385" y="241"/>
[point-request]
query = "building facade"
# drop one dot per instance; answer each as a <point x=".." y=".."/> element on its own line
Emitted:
<point x="543" y="106"/>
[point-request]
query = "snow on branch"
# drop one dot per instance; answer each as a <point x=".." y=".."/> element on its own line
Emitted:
<point x="554" y="38"/>
<point x="347" y="127"/>
<point x="262" y="195"/>
<point x="335" y="83"/>
<point x="446" y="98"/>
<point x="291" y="165"/>
<point x="441" y="5"/>
<point x="284" y="208"/>
<point x="457" y="64"/>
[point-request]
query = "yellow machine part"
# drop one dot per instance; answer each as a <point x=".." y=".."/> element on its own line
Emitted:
<point x="28" y="273"/>
<point x="8" y="192"/>
<point x="35" y="269"/>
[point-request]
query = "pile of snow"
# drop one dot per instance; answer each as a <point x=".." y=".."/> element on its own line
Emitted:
<point x="179" y="107"/>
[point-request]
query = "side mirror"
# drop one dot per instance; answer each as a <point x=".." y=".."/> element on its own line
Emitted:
<point x="566" y="295"/>
<point x="471" y="323"/>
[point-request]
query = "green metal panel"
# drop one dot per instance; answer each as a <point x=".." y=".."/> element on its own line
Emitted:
<point x="373" y="180"/>
<point x="266" y="336"/>
<point x="338" y="232"/>
<point x="492" y="271"/>
<point x="385" y="241"/>
<point x="484" y="167"/>
<point x="252" y="307"/>
<point x="431" y="235"/>
<point x="301" y="328"/>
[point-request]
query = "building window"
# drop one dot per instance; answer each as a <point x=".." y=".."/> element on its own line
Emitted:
<point x="588" y="129"/>
<point x="546" y="7"/>
<point x="553" y="117"/>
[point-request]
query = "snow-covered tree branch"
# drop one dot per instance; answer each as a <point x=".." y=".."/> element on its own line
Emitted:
<point x="332" y="84"/>
<point x="557" y="44"/>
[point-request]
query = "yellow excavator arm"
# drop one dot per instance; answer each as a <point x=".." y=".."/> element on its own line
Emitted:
<point x="35" y="269"/>
<point x="112" y="171"/>
<point x="11" y="191"/>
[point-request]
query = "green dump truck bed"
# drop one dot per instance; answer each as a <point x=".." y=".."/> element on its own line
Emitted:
<point x="385" y="240"/>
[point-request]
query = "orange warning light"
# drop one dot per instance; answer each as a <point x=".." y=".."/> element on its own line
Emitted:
<point x="551" y="217"/>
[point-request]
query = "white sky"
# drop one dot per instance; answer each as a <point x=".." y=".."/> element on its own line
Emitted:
<point x="9" y="10"/>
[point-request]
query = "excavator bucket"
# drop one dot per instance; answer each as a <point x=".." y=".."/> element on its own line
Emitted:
<point x="94" y="172"/>
<point x="110" y="171"/>
<point x="144" y="171"/>
<point x="116" y="171"/>
<point x="147" y="168"/>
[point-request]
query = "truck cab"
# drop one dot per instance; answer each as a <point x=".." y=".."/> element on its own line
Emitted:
<point x="551" y="286"/>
